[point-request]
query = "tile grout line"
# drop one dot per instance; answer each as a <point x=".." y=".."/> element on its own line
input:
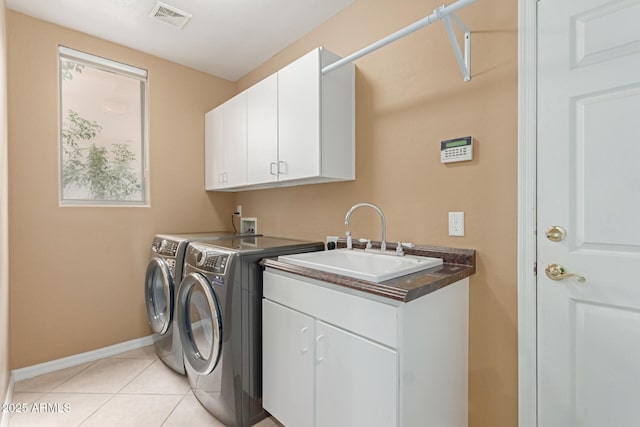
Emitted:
<point x="55" y="391"/>
<point x="139" y="373"/>
<point x="72" y="376"/>
<point x="159" y="394"/>
<point x="147" y="394"/>
<point x="173" y="410"/>
<point x="113" y="395"/>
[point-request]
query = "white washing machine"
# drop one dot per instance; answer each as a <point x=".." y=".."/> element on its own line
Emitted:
<point x="220" y="322"/>
<point x="163" y="276"/>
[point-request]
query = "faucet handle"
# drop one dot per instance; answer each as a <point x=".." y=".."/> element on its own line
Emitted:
<point x="399" y="250"/>
<point x="367" y="241"/>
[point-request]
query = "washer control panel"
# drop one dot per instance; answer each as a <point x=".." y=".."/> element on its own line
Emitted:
<point x="165" y="247"/>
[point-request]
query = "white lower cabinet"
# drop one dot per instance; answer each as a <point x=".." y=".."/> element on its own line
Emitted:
<point x="289" y="353"/>
<point x="335" y="358"/>
<point x="356" y="380"/>
<point x="344" y="393"/>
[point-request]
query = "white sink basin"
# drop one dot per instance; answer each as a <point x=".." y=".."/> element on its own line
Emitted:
<point x="371" y="266"/>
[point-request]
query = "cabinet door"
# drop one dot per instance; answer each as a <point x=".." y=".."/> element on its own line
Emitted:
<point x="213" y="149"/>
<point x="356" y="380"/>
<point x="262" y="131"/>
<point x="287" y="364"/>
<point x="299" y="118"/>
<point x="235" y="140"/>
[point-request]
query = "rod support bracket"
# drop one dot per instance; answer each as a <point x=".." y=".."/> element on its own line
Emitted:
<point x="442" y="13"/>
<point x="464" y="62"/>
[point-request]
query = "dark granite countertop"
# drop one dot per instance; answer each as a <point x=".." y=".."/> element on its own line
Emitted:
<point x="458" y="264"/>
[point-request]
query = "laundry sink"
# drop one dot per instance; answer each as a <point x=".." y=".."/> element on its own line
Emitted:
<point x="359" y="264"/>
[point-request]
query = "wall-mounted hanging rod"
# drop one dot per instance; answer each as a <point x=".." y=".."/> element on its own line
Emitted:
<point x="444" y="13"/>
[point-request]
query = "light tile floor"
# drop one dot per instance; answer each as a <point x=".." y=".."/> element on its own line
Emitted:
<point x="129" y="389"/>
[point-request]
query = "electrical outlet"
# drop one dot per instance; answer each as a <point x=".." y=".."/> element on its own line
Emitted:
<point x="239" y="210"/>
<point x="333" y="239"/>
<point x="456" y="223"/>
<point x="332" y="242"/>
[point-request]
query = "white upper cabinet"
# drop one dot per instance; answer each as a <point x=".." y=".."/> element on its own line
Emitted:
<point x="226" y="144"/>
<point x="300" y="127"/>
<point x="299" y="118"/>
<point x="234" y="128"/>
<point x="262" y="134"/>
<point x="213" y="150"/>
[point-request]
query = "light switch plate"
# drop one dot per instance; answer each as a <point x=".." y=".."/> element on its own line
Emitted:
<point x="456" y="223"/>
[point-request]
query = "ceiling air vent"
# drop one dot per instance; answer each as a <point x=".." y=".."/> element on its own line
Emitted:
<point x="170" y="15"/>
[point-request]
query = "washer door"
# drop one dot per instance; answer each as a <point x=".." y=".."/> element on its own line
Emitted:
<point x="200" y="323"/>
<point x="158" y="290"/>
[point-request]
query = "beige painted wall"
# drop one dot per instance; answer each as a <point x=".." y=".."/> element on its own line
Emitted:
<point x="410" y="95"/>
<point x="77" y="272"/>
<point x="4" y="240"/>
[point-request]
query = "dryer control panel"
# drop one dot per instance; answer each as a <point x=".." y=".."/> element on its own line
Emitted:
<point x="214" y="262"/>
<point x="207" y="260"/>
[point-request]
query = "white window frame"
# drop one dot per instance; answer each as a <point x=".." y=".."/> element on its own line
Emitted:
<point x="123" y="69"/>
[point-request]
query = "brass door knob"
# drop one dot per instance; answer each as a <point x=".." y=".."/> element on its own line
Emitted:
<point x="555" y="233"/>
<point x="558" y="272"/>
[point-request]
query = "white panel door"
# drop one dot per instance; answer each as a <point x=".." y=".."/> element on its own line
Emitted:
<point x="214" y="149"/>
<point x="262" y="131"/>
<point x="235" y="140"/>
<point x="589" y="184"/>
<point x="356" y="380"/>
<point x="299" y="118"/>
<point x="287" y="364"/>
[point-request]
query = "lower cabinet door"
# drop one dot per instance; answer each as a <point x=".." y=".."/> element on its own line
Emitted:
<point x="356" y="380"/>
<point x="288" y="364"/>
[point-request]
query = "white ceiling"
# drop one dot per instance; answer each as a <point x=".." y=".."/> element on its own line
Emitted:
<point x="225" y="38"/>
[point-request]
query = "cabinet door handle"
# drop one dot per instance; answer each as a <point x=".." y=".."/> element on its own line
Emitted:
<point x="320" y="348"/>
<point x="282" y="168"/>
<point x="303" y="337"/>
<point x="271" y="166"/>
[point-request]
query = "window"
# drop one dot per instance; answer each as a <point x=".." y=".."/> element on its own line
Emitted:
<point x="102" y="131"/>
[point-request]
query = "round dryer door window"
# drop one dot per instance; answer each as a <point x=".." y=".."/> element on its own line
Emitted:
<point x="200" y="323"/>
<point x="158" y="291"/>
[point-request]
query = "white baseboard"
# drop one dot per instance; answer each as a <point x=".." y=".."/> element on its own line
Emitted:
<point x="78" y="359"/>
<point x="4" y="416"/>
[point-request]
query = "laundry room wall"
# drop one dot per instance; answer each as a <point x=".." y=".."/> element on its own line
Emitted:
<point x="409" y="96"/>
<point x="77" y="273"/>
<point x="4" y="208"/>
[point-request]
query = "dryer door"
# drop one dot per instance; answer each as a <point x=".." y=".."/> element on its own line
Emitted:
<point x="158" y="290"/>
<point x="200" y="323"/>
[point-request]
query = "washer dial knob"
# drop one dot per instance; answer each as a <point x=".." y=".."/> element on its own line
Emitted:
<point x="201" y="258"/>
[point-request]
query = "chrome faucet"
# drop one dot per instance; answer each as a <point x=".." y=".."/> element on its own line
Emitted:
<point x="383" y="244"/>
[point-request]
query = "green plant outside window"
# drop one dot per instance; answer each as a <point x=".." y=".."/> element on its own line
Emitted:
<point x="102" y="137"/>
